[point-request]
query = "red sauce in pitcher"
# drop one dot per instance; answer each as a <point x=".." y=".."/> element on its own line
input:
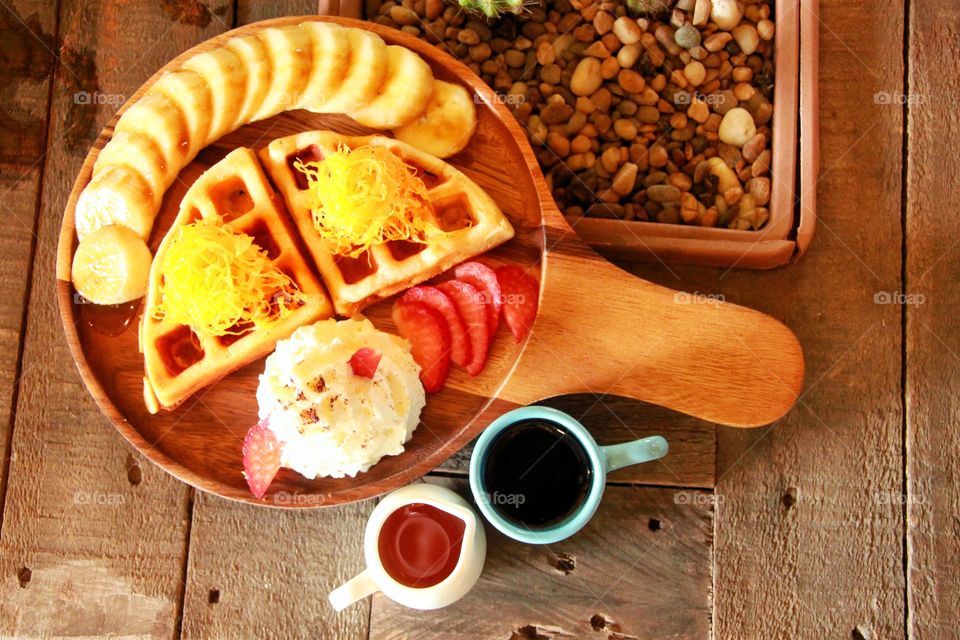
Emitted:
<point x="419" y="545"/>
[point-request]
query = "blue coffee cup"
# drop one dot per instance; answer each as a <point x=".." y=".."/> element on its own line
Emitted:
<point x="601" y="460"/>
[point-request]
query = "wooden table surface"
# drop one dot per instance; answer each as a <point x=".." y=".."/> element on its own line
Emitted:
<point x="839" y="521"/>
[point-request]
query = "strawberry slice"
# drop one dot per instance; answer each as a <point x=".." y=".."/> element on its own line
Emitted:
<point x="460" y="351"/>
<point x="470" y="303"/>
<point x="484" y="280"/>
<point x="521" y="293"/>
<point x="365" y="362"/>
<point x="261" y="458"/>
<point x="429" y="337"/>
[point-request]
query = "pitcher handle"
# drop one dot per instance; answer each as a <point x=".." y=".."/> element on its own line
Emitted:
<point x="635" y="452"/>
<point x="358" y="587"/>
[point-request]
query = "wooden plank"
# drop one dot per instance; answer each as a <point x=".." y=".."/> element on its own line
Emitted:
<point x="613" y="419"/>
<point x="255" y="10"/>
<point x="258" y="573"/>
<point x="27" y="31"/>
<point x="640" y="569"/>
<point x="93" y="541"/>
<point x="807" y="543"/>
<point x="933" y="344"/>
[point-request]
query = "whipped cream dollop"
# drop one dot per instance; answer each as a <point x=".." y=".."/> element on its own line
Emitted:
<point x="331" y="422"/>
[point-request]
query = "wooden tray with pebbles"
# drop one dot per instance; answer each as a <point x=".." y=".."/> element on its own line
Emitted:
<point x="687" y="357"/>
<point x="677" y="134"/>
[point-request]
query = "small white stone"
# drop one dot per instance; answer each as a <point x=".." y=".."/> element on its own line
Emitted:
<point x="737" y="127"/>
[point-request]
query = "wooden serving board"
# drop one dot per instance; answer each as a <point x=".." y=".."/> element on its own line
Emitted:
<point x="598" y="329"/>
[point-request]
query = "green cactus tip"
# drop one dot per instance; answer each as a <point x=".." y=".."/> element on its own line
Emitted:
<point x="493" y="8"/>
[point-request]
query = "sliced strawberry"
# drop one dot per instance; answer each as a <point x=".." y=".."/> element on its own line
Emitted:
<point x="261" y="458"/>
<point x="484" y="279"/>
<point x="365" y="362"/>
<point x="460" y="351"/>
<point x="429" y="337"/>
<point x="521" y="293"/>
<point x="470" y="303"/>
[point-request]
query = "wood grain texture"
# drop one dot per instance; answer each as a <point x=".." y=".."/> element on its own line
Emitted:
<point x="266" y="573"/>
<point x="807" y="545"/>
<point x="255" y="10"/>
<point x="26" y="28"/>
<point x="932" y="498"/>
<point x="640" y="569"/>
<point x="612" y="419"/>
<point x="655" y="345"/>
<point x="93" y="537"/>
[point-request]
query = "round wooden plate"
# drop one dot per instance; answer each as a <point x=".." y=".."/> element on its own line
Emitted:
<point x="598" y="329"/>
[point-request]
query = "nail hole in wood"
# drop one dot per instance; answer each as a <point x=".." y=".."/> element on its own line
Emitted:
<point x="654" y="524"/>
<point x="860" y="632"/>
<point x="565" y="563"/>
<point x="134" y="474"/>
<point x="24" y="576"/>
<point x="528" y="632"/>
<point x="213" y="597"/>
<point x="597" y="621"/>
<point x="789" y="497"/>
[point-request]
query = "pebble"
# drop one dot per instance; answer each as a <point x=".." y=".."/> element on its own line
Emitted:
<point x="717" y="41"/>
<point x="610" y="68"/>
<point x="630" y="81"/>
<point x="434" y="9"/>
<point x="480" y="52"/>
<point x="698" y="111"/>
<point x="597" y="50"/>
<point x="726" y="14"/>
<point x="546" y="54"/>
<point x="603" y="22"/>
<point x="737" y="127"/>
<point x="759" y="188"/>
<point x="754" y="147"/>
<point x="468" y="37"/>
<point x="626" y="129"/>
<point x="628" y="55"/>
<point x="624" y="180"/>
<point x="587" y="77"/>
<point x="658" y="156"/>
<point x="404" y="16"/>
<point x="556" y="112"/>
<point x="747" y="37"/>
<point x="580" y="144"/>
<point x="701" y="12"/>
<point x="550" y="74"/>
<point x="724" y="102"/>
<point x="695" y="73"/>
<point x="687" y="36"/>
<point x="648" y="115"/>
<point x="627" y="30"/>
<point x="514" y="58"/>
<point x="610" y="159"/>
<point x="761" y="165"/>
<point x="585" y="105"/>
<point x="663" y="193"/>
<point x="765" y="28"/>
<point x="559" y="144"/>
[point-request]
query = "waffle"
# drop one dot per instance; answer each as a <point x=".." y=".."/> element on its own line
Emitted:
<point x="472" y="219"/>
<point x="178" y="360"/>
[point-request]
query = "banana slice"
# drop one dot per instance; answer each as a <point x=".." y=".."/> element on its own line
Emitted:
<point x="111" y="266"/>
<point x="156" y="116"/>
<point x="255" y="59"/>
<point x="365" y="73"/>
<point x="291" y="58"/>
<point x="226" y="76"/>
<point x="139" y="152"/>
<point x="446" y="125"/>
<point x="406" y="87"/>
<point x="189" y="91"/>
<point x="331" y="55"/>
<point x="117" y="195"/>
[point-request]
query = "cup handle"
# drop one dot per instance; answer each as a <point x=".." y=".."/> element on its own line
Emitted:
<point x="360" y="586"/>
<point x="635" y="452"/>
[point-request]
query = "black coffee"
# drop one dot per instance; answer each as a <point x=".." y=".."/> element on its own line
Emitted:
<point x="536" y="474"/>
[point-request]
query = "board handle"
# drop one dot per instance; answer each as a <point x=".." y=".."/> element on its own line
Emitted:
<point x="604" y="331"/>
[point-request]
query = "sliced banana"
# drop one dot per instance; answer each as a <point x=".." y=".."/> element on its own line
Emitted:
<point x="331" y="55"/>
<point x="291" y="59"/>
<point x="365" y="72"/>
<point x="446" y="125"/>
<point x="139" y="152"/>
<point x="189" y="91"/>
<point x="226" y="76"/>
<point x="111" y="266"/>
<point x="406" y="88"/>
<point x="117" y="195"/>
<point x="157" y="117"/>
<point x="253" y="53"/>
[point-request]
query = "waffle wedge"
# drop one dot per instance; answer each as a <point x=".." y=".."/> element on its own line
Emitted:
<point x="179" y="360"/>
<point x="471" y="219"/>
